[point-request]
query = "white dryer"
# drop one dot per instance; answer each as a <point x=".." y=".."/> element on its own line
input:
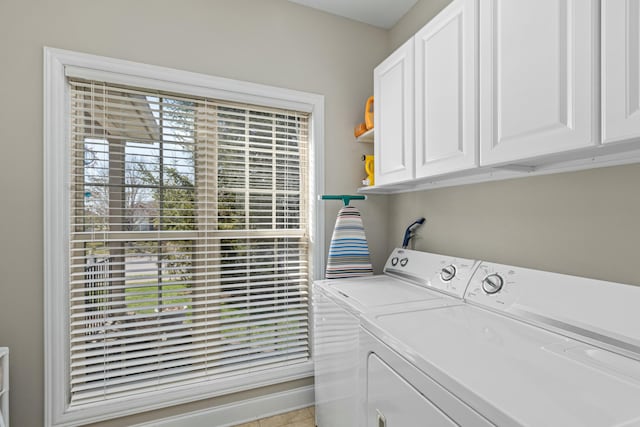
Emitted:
<point x="410" y="279"/>
<point x="528" y="348"/>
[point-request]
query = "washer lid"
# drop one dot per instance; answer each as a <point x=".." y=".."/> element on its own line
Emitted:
<point x="512" y="372"/>
<point x="374" y="292"/>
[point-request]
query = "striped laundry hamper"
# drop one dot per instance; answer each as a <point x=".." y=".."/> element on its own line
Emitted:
<point x="349" y="251"/>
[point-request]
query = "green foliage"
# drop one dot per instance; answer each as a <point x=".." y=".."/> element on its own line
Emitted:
<point x="175" y="197"/>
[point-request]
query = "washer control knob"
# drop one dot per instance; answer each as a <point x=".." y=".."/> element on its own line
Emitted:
<point x="447" y="273"/>
<point x="404" y="262"/>
<point x="492" y="283"/>
<point x="394" y="261"/>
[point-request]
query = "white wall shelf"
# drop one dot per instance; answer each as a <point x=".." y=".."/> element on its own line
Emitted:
<point x="602" y="156"/>
<point x="366" y="137"/>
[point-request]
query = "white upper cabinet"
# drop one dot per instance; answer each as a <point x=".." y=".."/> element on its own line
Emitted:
<point x="620" y="70"/>
<point x="509" y="87"/>
<point x="538" y="78"/>
<point x="393" y="116"/>
<point x="446" y="91"/>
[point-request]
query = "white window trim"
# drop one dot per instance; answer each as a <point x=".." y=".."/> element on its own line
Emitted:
<point x="59" y="63"/>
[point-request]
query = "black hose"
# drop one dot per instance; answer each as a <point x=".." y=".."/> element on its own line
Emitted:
<point x="408" y="234"/>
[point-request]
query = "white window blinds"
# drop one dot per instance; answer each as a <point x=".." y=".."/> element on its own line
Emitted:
<point x="189" y="240"/>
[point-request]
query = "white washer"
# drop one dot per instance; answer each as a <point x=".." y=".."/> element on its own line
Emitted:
<point x="529" y="348"/>
<point x="410" y="279"/>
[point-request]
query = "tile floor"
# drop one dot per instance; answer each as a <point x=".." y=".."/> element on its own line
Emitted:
<point x="304" y="417"/>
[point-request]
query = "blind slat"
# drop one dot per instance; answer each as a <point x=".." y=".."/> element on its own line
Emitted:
<point x="105" y="334"/>
<point x="117" y="366"/>
<point x="109" y="330"/>
<point x="113" y="389"/>
<point x="124" y="375"/>
<point x="199" y="338"/>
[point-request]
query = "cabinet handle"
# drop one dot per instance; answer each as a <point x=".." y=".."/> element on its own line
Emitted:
<point x="382" y="421"/>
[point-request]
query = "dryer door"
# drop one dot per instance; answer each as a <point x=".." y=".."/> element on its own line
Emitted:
<point x="392" y="401"/>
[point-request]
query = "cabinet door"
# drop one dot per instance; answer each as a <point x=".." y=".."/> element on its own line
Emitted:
<point x="538" y="72"/>
<point x="393" y="116"/>
<point x="620" y="70"/>
<point x="446" y="88"/>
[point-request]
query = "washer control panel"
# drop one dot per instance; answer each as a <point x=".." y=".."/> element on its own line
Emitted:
<point x="402" y="261"/>
<point x="494" y="285"/>
<point x="574" y="304"/>
<point x="444" y="273"/>
<point x="448" y="273"/>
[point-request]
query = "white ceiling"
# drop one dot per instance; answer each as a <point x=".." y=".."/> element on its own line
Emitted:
<point x="381" y="13"/>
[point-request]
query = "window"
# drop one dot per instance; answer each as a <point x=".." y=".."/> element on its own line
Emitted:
<point x="189" y="248"/>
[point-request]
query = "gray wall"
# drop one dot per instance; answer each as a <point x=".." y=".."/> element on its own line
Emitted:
<point x="583" y="223"/>
<point x="271" y="42"/>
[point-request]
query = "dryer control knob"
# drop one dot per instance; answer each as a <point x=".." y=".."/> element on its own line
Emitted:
<point x="447" y="273"/>
<point x="394" y="261"/>
<point x="404" y="261"/>
<point x="492" y="283"/>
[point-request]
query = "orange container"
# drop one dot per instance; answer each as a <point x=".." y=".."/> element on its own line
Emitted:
<point x="360" y="129"/>
<point x="368" y="113"/>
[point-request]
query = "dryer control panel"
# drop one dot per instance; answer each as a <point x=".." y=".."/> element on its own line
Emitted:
<point x="441" y="272"/>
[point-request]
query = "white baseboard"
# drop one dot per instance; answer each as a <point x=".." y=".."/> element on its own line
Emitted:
<point x="240" y="412"/>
